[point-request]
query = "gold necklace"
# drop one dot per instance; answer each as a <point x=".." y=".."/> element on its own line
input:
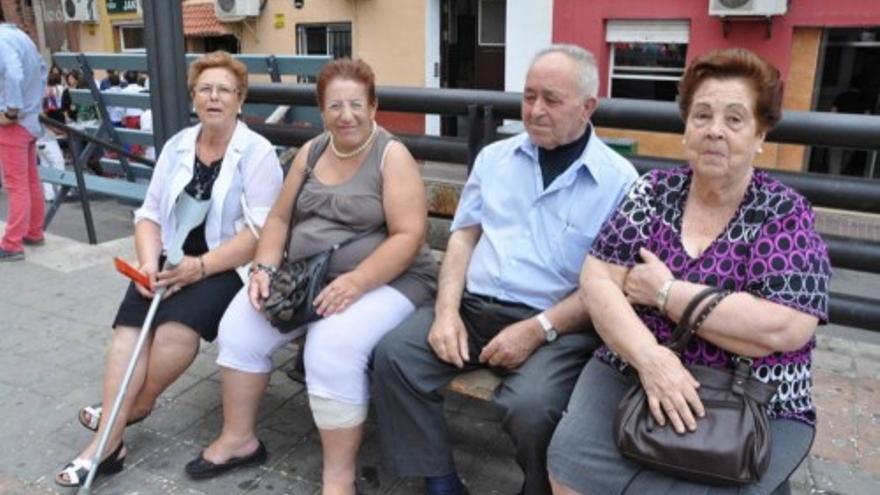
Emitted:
<point x="356" y="151"/>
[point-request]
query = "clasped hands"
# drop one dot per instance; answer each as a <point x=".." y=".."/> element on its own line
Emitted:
<point x="335" y="298"/>
<point x="669" y="386"/>
<point x="508" y="349"/>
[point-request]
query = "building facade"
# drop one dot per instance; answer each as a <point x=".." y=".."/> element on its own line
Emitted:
<point x="824" y="49"/>
<point x="827" y="50"/>
<point x="482" y="44"/>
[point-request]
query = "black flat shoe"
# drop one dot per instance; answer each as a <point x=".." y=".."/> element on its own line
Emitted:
<point x="201" y="468"/>
<point x="77" y="470"/>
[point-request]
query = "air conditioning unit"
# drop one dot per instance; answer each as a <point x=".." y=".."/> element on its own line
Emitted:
<point x="80" y="10"/>
<point x="754" y="8"/>
<point x="236" y="10"/>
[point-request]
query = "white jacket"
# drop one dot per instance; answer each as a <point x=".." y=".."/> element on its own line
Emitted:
<point x="250" y="177"/>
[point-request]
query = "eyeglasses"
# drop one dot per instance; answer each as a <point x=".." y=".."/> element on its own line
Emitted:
<point x="338" y="106"/>
<point x="223" y="91"/>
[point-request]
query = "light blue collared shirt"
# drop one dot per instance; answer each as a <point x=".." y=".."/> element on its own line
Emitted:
<point x="22" y="77"/>
<point x="534" y="241"/>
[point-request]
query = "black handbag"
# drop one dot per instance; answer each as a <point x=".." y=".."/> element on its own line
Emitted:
<point x="731" y="445"/>
<point x="295" y="285"/>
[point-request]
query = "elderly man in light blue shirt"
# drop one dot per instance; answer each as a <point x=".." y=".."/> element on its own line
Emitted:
<point x="22" y="82"/>
<point x="507" y="297"/>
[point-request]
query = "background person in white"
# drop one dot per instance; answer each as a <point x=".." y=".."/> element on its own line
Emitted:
<point x="524" y="224"/>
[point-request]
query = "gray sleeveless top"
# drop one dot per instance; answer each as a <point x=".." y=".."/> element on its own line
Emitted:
<point x="326" y="215"/>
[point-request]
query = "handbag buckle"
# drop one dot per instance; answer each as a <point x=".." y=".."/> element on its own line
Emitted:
<point x="742" y="369"/>
<point x="744" y="359"/>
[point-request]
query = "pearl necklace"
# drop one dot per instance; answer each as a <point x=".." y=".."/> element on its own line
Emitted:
<point x="356" y="151"/>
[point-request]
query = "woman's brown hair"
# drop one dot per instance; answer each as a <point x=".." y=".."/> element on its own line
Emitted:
<point x="219" y="59"/>
<point x="736" y="63"/>
<point x="344" y="68"/>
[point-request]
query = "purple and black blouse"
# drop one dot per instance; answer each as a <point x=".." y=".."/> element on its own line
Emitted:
<point x="769" y="249"/>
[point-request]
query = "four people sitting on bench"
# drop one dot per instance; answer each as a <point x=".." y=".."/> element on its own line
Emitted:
<point x="517" y="292"/>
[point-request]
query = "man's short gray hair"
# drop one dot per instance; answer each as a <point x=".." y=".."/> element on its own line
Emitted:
<point x="588" y="73"/>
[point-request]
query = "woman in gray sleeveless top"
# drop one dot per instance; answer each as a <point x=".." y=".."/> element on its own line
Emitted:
<point x="362" y="180"/>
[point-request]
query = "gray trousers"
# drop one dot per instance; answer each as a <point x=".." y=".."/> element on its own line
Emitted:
<point x="584" y="457"/>
<point x="407" y="376"/>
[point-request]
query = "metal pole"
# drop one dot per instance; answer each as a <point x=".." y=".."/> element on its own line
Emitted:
<point x="475" y="134"/>
<point x="166" y="64"/>
<point x="489" y="126"/>
<point x="75" y="146"/>
<point x="123" y="388"/>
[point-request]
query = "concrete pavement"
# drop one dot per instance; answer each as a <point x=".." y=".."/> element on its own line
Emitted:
<point x="55" y="310"/>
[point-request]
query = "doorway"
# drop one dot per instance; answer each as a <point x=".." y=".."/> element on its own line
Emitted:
<point x="849" y="82"/>
<point x="472" y="34"/>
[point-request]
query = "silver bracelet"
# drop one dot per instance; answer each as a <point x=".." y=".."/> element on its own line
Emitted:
<point x="260" y="267"/>
<point x="663" y="295"/>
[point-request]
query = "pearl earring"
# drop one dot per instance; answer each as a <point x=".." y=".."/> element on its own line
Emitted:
<point x="760" y="150"/>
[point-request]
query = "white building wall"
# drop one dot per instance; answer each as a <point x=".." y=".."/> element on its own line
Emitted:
<point x="432" y="59"/>
<point x="529" y="28"/>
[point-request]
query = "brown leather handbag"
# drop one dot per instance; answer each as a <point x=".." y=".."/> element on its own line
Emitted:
<point x="731" y="445"/>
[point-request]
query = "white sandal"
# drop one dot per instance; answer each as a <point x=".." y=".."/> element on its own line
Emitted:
<point x="77" y="470"/>
<point x="93" y="419"/>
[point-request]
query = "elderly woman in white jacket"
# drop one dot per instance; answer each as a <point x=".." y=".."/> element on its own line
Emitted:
<point x="219" y="159"/>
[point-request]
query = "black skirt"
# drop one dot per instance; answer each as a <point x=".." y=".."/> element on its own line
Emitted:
<point x="198" y="306"/>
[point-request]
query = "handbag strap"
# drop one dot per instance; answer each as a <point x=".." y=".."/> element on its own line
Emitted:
<point x="307" y="172"/>
<point x="688" y="324"/>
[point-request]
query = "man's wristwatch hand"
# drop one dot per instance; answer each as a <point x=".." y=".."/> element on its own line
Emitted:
<point x="550" y="332"/>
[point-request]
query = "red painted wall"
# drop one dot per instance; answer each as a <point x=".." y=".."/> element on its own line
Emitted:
<point x="582" y="22"/>
<point x="402" y="122"/>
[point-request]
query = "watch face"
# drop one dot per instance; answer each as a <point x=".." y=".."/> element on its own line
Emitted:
<point x="551" y="335"/>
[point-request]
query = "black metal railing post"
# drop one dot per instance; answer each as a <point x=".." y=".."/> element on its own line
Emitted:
<point x="75" y="145"/>
<point x="490" y="129"/>
<point x="475" y="135"/>
<point x="166" y="64"/>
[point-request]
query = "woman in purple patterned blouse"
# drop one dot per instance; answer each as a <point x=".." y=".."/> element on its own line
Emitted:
<point x="719" y="222"/>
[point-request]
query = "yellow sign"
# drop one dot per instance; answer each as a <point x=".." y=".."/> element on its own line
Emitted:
<point x="279" y="21"/>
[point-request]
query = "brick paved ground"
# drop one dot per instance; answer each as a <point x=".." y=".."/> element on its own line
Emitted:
<point x="54" y="314"/>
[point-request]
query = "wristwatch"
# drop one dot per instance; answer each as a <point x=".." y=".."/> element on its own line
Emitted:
<point x="10" y="115"/>
<point x="550" y="332"/>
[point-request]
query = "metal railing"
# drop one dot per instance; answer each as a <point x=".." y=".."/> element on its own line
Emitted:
<point x="484" y="108"/>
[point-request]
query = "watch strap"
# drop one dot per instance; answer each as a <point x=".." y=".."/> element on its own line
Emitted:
<point x="544" y="322"/>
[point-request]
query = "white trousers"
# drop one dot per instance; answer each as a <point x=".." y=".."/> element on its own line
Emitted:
<point x="337" y="348"/>
<point x="49" y="154"/>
